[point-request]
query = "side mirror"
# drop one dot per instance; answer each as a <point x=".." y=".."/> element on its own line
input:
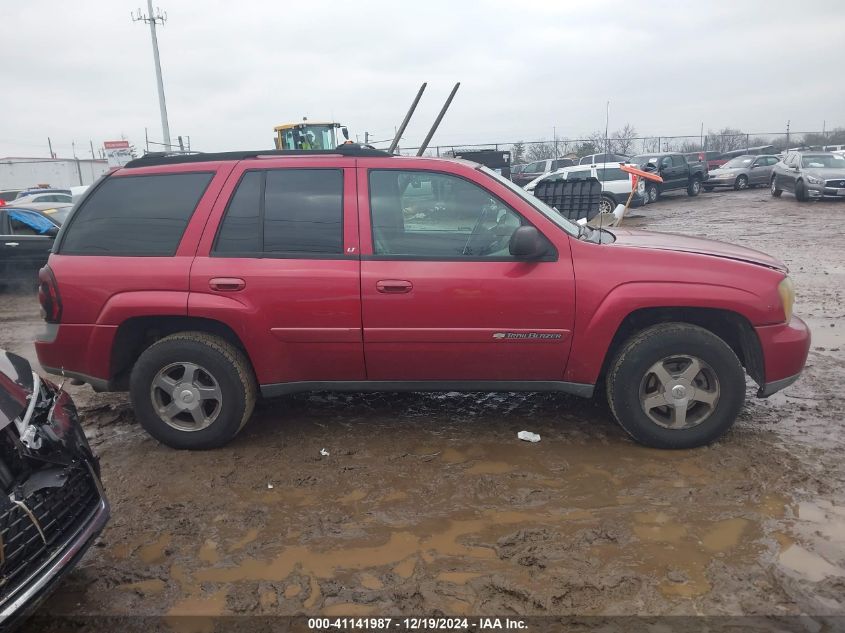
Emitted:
<point x="345" y="133"/>
<point x="527" y="243"/>
<point x="53" y="231"/>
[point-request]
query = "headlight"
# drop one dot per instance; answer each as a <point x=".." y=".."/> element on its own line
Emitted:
<point x="641" y="187"/>
<point x="813" y="180"/>
<point x="787" y="296"/>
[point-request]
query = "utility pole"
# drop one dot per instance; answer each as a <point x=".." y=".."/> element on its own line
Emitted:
<point x="152" y="19"/>
<point x="93" y="155"/>
<point x="50" y="145"/>
<point x="787" y="135"/>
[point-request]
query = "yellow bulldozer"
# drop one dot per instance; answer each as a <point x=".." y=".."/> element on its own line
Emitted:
<point x="309" y="135"/>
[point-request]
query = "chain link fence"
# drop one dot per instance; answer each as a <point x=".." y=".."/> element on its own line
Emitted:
<point x="758" y="142"/>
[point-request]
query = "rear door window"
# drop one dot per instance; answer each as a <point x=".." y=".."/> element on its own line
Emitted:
<point x="135" y="215"/>
<point x="284" y="213"/>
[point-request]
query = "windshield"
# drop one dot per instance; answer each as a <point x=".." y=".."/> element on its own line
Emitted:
<point x="739" y="161"/>
<point x="643" y="159"/>
<point x="308" y="137"/>
<point x="59" y="215"/>
<point x="538" y="204"/>
<point x="823" y="161"/>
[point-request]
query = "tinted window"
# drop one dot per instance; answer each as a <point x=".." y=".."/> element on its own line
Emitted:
<point x="425" y="214"/>
<point x="678" y="160"/>
<point x="302" y="212"/>
<point x="611" y="173"/>
<point x="240" y="231"/>
<point x="135" y="215"/>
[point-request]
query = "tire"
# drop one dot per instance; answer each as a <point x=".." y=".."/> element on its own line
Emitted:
<point x="606" y="204"/>
<point x="774" y="189"/>
<point x="708" y="189"/>
<point x="741" y="183"/>
<point x="631" y="383"/>
<point x="652" y="193"/>
<point x="801" y="191"/>
<point x="694" y="188"/>
<point x="222" y="370"/>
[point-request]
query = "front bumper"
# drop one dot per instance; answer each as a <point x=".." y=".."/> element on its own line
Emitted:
<point x="822" y="191"/>
<point x="785" y="347"/>
<point x="24" y="596"/>
<point x="719" y="182"/>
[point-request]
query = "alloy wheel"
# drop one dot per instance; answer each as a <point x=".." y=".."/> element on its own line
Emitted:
<point x="679" y="392"/>
<point x="186" y="396"/>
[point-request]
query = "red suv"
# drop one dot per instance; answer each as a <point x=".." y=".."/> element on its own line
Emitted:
<point x="199" y="282"/>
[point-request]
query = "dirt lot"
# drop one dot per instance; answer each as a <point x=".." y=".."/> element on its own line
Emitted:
<point x="429" y="504"/>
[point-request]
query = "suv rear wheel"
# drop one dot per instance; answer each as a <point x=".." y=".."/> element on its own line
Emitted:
<point x="675" y="385"/>
<point x="192" y="390"/>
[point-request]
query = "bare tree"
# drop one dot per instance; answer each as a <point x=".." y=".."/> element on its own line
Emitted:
<point x="540" y="151"/>
<point x="726" y="140"/>
<point x="518" y="153"/>
<point x="622" y="141"/>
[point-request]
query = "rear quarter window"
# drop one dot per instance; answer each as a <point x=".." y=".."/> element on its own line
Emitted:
<point x="135" y="215"/>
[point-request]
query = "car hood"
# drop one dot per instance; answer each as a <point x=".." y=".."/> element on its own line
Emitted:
<point x="16" y="385"/>
<point x="686" y="244"/>
<point x="825" y="174"/>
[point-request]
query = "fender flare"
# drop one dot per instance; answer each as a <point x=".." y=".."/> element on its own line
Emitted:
<point x="592" y="338"/>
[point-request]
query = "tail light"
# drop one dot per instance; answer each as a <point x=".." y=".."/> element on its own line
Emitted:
<point x="48" y="296"/>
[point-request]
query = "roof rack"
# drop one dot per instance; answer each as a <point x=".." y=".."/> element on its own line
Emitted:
<point x="164" y="158"/>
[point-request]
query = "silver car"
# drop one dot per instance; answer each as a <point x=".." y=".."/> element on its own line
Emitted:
<point x="810" y="176"/>
<point x="742" y="172"/>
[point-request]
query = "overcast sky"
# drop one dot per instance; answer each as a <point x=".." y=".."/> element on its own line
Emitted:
<point x="80" y="71"/>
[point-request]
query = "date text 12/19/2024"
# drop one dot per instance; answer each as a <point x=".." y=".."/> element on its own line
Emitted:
<point x="415" y="624"/>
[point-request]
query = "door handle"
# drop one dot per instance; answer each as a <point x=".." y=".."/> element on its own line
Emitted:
<point x="226" y="284"/>
<point x="394" y="286"/>
<point x="12" y="243"/>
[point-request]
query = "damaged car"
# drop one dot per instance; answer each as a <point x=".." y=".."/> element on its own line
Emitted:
<point x="53" y="506"/>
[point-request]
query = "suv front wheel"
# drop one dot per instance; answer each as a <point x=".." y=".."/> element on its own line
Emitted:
<point x="675" y="385"/>
<point x="192" y="390"/>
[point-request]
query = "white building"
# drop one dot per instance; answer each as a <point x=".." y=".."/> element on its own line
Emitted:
<point x="19" y="173"/>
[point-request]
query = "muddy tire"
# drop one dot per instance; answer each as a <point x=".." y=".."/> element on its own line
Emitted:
<point x="652" y="192"/>
<point x="192" y="390"/>
<point x="801" y="191"/>
<point x="694" y="188"/>
<point x="675" y="385"/>
<point x="741" y="183"/>
<point x="774" y="189"/>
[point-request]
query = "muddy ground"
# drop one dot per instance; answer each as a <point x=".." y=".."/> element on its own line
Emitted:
<point x="429" y="504"/>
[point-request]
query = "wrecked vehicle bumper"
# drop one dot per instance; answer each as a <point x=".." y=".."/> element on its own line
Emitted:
<point x="52" y="505"/>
